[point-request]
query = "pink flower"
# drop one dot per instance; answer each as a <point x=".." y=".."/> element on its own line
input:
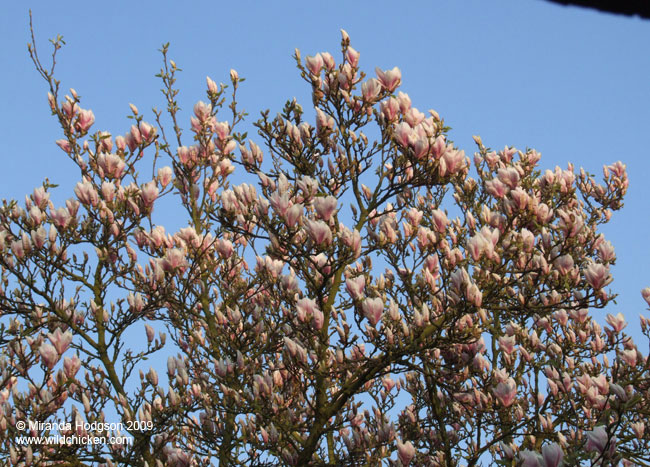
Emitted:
<point x="389" y="79"/>
<point x="370" y="90"/>
<point x="474" y="295"/>
<point x="291" y="346"/>
<point x="39" y="236"/>
<point x="60" y="217"/>
<point x="373" y="308"/>
<point x="509" y="176"/>
<point x="40" y="197"/>
<point x="352" y="57"/>
<point x="639" y="429"/>
<point x="328" y="60"/>
<point x="202" y="111"/>
<point x="111" y="164"/>
<point x="63" y="144"/>
<point x="314" y="64"/>
<point x="520" y="197"/>
<point x="174" y="259"/>
<point x="165" y="175"/>
<point x="404" y="134"/>
<point x="529" y="458"/>
<point x="389" y="108"/>
<point x="564" y="264"/>
<point x="454" y="161"/>
<point x="506" y="392"/>
<point x="325" y="207"/>
<point x="323" y="121"/>
<point x="222" y="129"/>
<point x="108" y="191"/>
<point x="212" y="86"/>
<point x="616" y="322"/>
<point x="404" y="101"/>
<point x="60" y="340"/>
<point x="421" y="148"/>
<point x="147" y="131"/>
<point x="319" y="231"/>
<point x="355" y="287"/>
<point x="606" y="251"/>
<point x="318" y="319"/>
<point x="85" y="119"/>
<point x="553" y="455"/>
<point x="440" y="221"/>
<point x="352" y="239"/>
<point x="306" y="308"/>
<point x="151" y="333"/>
<point x="405" y="452"/>
<point x="597" y="275"/>
<point x="49" y="355"/>
<point x="149" y="193"/>
<point x="496" y="188"/>
<point x="280" y="203"/>
<point x="293" y="214"/>
<point x="507" y="344"/>
<point x="18" y="249"/>
<point x="629" y="356"/>
<point x="597" y="440"/>
<point x="71" y="366"/>
<point x="224" y="248"/>
<point x="477" y="245"/>
<point x="86" y="193"/>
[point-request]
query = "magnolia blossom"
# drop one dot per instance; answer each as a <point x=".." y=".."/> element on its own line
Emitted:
<point x="293" y="214"/>
<point x="85" y="119"/>
<point x="306" y="308"/>
<point x="314" y="64"/>
<point x="71" y="366"/>
<point x="49" y="355"/>
<point x="165" y="175"/>
<point x="355" y="286"/>
<point x="389" y="79"/>
<point x="60" y="340"/>
<point x="112" y="165"/>
<point x="371" y="89"/>
<point x="440" y="220"/>
<point x="149" y="193"/>
<point x="598" y="439"/>
<point x="325" y="207"/>
<point x="506" y="392"/>
<point x="529" y="458"/>
<point x="564" y="264"/>
<point x="552" y="454"/>
<point x="61" y="217"/>
<point x="224" y="248"/>
<point x="616" y="322"/>
<point x="597" y="275"/>
<point x="202" y="111"/>
<point x="352" y="56"/>
<point x="319" y="231"/>
<point x="174" y="259"/>
<point x="405" y="452"/>
<point x="496" y="188"/>
<point x="509" y="176"/>
<point x="373" y="308"/>
<point x="86" y="193"/>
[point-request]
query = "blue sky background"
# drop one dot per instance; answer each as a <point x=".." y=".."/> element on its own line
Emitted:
<point x="572" y="83"/>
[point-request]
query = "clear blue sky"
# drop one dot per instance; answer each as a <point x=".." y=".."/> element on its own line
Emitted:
<point x="572" y="83"/>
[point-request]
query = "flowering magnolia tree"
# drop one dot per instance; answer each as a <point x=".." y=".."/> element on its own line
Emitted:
<point x="370" y="296"/>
